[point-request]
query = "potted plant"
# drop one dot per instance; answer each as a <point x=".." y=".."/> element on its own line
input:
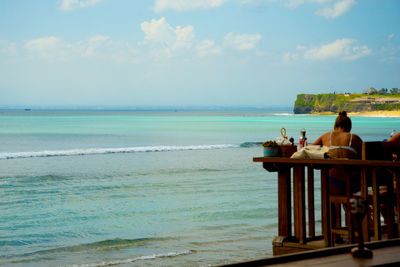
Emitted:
<point x="271" y="148"/>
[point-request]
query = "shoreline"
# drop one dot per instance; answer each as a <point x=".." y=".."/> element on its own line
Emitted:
<point x="376" y="113"/>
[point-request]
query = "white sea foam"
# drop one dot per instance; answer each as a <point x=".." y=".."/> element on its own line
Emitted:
<point x="283" y="114"/>
<point x="379" y="116"/>
<point x="91" y="151"/>
<point x="131" y="260"/>
<point x="4" y="182"/>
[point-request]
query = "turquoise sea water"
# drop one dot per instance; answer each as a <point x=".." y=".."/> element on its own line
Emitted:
<point x="156" y="188"/>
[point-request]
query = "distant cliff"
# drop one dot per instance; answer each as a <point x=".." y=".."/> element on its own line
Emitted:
<point x="306" y="103"/>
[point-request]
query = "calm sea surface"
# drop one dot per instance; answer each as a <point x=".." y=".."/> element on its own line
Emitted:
<point x="123" y="188"/>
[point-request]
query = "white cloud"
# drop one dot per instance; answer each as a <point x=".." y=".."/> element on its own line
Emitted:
<point x="207" y="47"/>
<point x="98" y="38"/>
<point x="8" y="48"/>
<point x="337" y="10"/>
<point x="241" y="41"/>
<point x="43" y="44"/>
<point x="68" y="5"/>
<point x="158" y="31"/>
<point x="166" y="40"/>
<point x="47" y="47"/>
<point x="297" y="3"/>
<point x="94" y="47"/>
<point x="390" y="36"/>
<point x="344" y="49"/>
<point x="290" y="56"/>
<point x="161" y="40"/>
<point x="184" y="37"/>
<point x="294" y="3"/>
<point x="162" y="34"/>
<point x="184" y="5"/>
<point x="301" y="47"/>
<point x="390" y="52"/>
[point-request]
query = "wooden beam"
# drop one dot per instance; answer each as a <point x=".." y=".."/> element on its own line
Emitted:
<point x="392" y="231"/>
<point x="299" y="204"/>
<point x="284" y="203"/>
<point x="364" y="195"/>
<point x="325" y="207"/>
<point x="397" y="183"/>
<point x="320" y="163"/>
<point x="376" y="206"/>
<point x="310" y="202"/>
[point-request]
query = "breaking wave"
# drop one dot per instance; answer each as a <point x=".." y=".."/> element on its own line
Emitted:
<point x="92" y="151"/>
<point x="250" y="144"/>
<point x="131" y="260"/>
<point x="110" y="244"/>
<point x="283" y="114"/>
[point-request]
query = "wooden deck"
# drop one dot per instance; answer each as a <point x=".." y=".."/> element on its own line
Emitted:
<point x="296" y="215"/>
<point x="298" y="244"/>
<point x="385" y="253"/>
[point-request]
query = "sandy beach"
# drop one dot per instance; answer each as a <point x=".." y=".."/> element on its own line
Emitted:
<point x="378" y="113"/>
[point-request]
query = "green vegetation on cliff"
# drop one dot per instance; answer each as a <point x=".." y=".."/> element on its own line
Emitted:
<point x="307" y="103"/>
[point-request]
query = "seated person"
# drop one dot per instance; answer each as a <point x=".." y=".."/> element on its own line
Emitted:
<point x="386" y="176"/>
<point x="342" y="144"/>
<point x="395" y="139"/>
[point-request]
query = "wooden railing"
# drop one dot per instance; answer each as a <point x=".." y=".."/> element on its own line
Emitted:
<point x="292" y="177"/>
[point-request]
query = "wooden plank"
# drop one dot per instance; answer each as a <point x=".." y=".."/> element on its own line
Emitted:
<point x="364" y="195"/>
<point x="341" y="231"/>
<point x="310" y="202"/>
<point x="295" y="206"/>
<point x="284" y="203"/>
<point x="397" y="183"/>
<point x="390" y="209"/>
<point x="349" y="220"/>
<point x="385" y="253"/>
<point x="299" y="204"/>
<point x="325" y="207"/>
<point x="381" y="257"/>
<point x="279" y="251"/>
<point x="329" y="162"/>
<point x="376" y="206"/>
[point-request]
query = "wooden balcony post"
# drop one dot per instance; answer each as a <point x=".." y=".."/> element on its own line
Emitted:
<point x="325" y="207"/>
<point x="396" y="173"/>
<point x="377" y="210"/>
<point x="299" y="204"/>
<point x="310" y="201"/>
<point x="364" y="195"/>
<point x="284" y="203"/>
<point x="392" y="231"/>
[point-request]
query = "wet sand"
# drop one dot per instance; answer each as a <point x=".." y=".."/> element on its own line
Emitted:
<point x="380" y="113"/>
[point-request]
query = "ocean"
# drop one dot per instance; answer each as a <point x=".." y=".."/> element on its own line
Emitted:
<point x="154" y="188"/>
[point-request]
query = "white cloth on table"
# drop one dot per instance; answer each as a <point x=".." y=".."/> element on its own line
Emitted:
<point x="311" y="152"/>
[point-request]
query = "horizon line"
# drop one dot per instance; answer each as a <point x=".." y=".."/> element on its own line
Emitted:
<point x="141" y="108"/>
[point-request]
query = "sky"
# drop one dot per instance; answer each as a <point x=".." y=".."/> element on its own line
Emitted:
<point x="181" y="53"/>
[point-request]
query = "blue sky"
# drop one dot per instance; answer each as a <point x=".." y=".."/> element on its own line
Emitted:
<point x="176" y="53"/>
